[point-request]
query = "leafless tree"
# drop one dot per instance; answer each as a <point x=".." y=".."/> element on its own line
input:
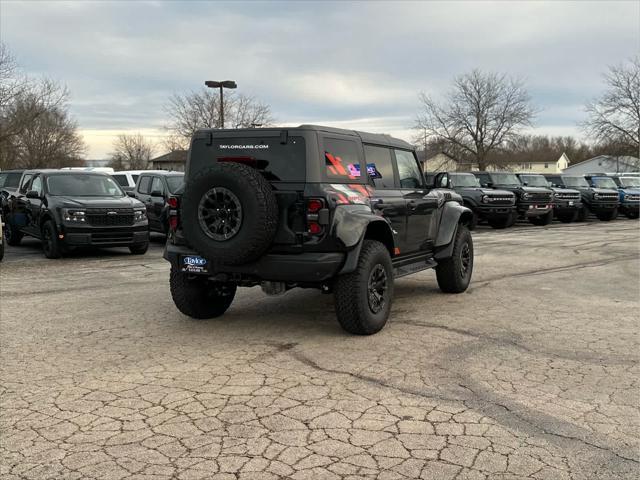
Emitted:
<point x="480" y="113"/>
<point x="191" y="111"/>
<point x="614" y="118"/>
<point x="131" y="152"/>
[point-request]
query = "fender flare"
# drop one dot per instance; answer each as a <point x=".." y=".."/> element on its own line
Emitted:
<point x="453" y="214"/>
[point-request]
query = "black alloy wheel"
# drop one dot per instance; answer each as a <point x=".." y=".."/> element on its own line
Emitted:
<point x="220" y="214"/>
<point x="377" y="288"/>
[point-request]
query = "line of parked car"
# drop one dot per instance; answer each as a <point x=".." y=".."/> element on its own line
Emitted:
<point x="501" y="198"/>
<point x="70" y="208"/>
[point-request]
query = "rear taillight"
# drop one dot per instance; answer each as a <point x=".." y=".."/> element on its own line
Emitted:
<point x="315" y="218"/>
<point x="174" y="213"/>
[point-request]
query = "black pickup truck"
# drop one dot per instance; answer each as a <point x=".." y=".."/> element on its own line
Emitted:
<point x="66" y="208"/>
<point x="496" y="207"/>
<point x="533" y="203"/>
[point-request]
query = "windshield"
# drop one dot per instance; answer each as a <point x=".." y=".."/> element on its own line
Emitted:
<point x="83" y="186"/>
<point x="464" y="180"/>
<point x="630" y="181"/>
<point x="605" y="182"/>
<point x="505" y="179"/>
<point x="575" y="182"/>
<point x="175" y="182"/>
<point x="534" y="180"/>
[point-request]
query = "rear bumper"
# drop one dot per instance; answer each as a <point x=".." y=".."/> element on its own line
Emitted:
<point x="294" y="268"/>
<point x="105" y="237"/>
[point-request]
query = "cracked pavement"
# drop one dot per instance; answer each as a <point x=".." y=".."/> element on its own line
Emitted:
<point x="533" y="373"/>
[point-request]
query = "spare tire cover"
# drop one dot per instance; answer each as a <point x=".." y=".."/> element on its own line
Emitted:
<point x="229" y="213"/>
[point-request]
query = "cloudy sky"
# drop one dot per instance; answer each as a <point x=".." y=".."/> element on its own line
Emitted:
<point x="357" y="65"/>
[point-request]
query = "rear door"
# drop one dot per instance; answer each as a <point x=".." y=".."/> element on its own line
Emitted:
<point x="33" y="206"/>
<point x="387" y="198"/>
<point x="420" y="208"/>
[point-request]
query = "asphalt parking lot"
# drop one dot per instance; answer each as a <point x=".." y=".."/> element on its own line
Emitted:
<point x="533" y="373"/>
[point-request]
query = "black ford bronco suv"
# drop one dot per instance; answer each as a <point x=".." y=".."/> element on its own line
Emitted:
<point x="339" y="210"/>
<point x="496" y="207"/>
<point x="67" y="208"/>
<point x="532" y="203"/>
<point x="567" y="203"/>
<point x="602" y="202"/>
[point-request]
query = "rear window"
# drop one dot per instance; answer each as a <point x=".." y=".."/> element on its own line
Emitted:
<point x="342" y="162"/>
<point x="121" y="179"/>
<point x="175" y="182"/>
<point x="278" y="162"/>
<point x="145" y="185"/>
<point x="10" y="180"/>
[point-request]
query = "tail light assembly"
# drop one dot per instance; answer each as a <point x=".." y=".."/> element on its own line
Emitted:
<point x="174" y="213"/>
<point x="317" y="216"/>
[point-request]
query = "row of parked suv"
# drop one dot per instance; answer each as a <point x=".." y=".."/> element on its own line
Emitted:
<point x="501" y="198"/>
<point x="66" y="209"/>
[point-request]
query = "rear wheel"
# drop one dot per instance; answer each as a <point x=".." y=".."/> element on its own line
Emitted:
<point x="197" y="297"/>
<point x="363" y="297"/>
<point x="50" y="243"/>
<point x="11" y="234"/>
<point x="568" y="217"/>
<point x="608" y="215"/>
<point x="454" y="273"/>
<point x="542" y="220"/>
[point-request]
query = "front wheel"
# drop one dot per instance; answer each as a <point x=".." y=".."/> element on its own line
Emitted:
<point x="568" y="217"/>
<point x="363" y="297"/>
<point x="542" y="220"/>
<point x="51" y="246"/>
<point x="454" y="273"/>
<point x="139" y="249"/>
<point x="608" y="215"/>
<point x="501" y="222"/>
<point x="12" y="234"/>
<point x="631" y="214"/>
<point x="197" y="297"/>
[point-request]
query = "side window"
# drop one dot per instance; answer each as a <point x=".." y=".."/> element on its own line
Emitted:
<point x="24" y="183"/>
<point x="342" y="163"/>
<point x="408" y="170"/>
<point x="484" y="179"/>
<point x="156" y="185"/>
<point x="380" y="166"/>
<point x="443" y="181"/>
<point x="3" y="178"/>
<point x="36" y="184"/>
<point x="121" y="179"/>
<point x="145" y="184"/>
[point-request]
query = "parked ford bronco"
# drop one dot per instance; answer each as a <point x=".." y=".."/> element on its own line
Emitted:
<point x="567" y="203"/>
<point x="339" y="210"/>
<point x="496" y="207"/>
<point x="602" y="202"/>
<point x="68" y="208"/>
<point x="532" y="203"/>
<point x="629" y="191"/>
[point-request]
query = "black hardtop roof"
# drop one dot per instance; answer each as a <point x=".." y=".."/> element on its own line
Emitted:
<point x="366" y="137"/>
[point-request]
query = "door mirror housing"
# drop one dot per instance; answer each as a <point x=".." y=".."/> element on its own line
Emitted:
<point x="489" y="184"/>
<point x="157" y="193"/>
<point x="32" y="194"/>
<point x="131" y="194"/>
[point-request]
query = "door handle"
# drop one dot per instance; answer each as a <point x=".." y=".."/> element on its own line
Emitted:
<point x="412" y="205"/>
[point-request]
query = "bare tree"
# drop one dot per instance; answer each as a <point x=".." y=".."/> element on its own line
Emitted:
<point x="614" y="118"/>
<point x="191" y="111"/>
<point x="131" y="152"/>
<point x="480" y="113"/>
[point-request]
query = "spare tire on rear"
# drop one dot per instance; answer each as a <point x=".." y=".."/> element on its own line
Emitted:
<point x="229" y="213"/>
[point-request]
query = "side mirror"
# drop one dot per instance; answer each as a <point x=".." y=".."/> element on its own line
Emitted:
<point x="489" y="184"/>
<point x="32" y="194"/>
<point x="157" y="193"/>
<point x="131" y="194"/>
<point x="525" y="183"/>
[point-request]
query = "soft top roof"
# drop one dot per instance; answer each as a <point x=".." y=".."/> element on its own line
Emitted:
<point x="366" y="137"/>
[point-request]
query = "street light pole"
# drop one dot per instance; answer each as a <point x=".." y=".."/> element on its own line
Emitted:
<point x="221" y="86"/>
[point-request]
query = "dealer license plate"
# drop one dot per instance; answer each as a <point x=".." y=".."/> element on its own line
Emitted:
<point x="194" y="264"/>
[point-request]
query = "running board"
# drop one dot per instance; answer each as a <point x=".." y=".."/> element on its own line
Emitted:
<point x="412" y="264"/>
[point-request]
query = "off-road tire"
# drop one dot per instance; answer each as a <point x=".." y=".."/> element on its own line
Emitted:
<point x="11" y="234"/>
<point x="139" y="249"/>
<point x="259" y="208"/>
<point x="197" y="297"/>
<point x="451" y="276"/>
<point x="542" y="220"/>
<point x="2" y="247"/>
<point x="568" y="217"/>
<point x="632" y="215"/>
<point x="583" y="213"/>
<point x="351" y="292"/>
<point x="501" y="222"/>
<point x="51" y="245"/>
<point x="607" y="216"/>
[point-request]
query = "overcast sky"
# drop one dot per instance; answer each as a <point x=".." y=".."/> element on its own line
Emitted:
<point x="357" y="65"/>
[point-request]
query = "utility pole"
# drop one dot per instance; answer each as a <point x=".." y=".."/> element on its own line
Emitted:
<point x="221" y="85"/>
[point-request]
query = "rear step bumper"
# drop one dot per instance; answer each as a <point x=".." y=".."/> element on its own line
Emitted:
<point x="301" y="267"/>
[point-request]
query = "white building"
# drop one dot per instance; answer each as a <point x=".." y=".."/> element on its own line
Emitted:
<point x="604" y="164"/>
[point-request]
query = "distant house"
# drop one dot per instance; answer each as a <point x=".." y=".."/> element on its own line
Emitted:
<point x="175" y="161"/>
<point x="443" y="162"/>
<point x="605" y="164"/>
<point x="542" y="166"/>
